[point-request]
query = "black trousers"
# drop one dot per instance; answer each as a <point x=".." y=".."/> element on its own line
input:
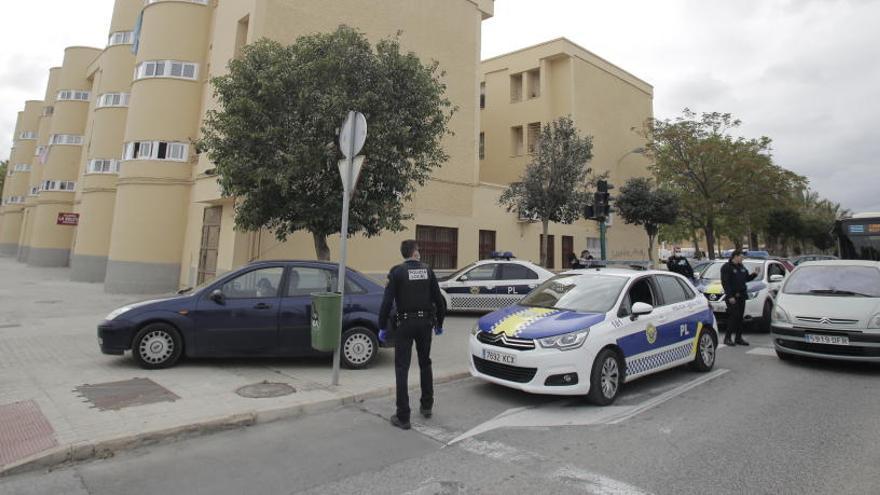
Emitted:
<point x="411" y="331"/>
<point x="735" y="317"/>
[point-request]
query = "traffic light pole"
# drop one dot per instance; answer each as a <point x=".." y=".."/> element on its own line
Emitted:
<point x="602" y="238"/>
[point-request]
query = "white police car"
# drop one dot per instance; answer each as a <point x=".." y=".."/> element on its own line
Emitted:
<point x="491" y="284"/>
<point x="761" y="291"/>
<point x="589" y="332"/>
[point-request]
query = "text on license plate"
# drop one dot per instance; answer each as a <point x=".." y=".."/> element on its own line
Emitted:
<point x="827" y="339"/>
<point x="498" y="357"/>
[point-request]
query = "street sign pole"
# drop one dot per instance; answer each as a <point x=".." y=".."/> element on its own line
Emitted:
<point x="351" y="140"/>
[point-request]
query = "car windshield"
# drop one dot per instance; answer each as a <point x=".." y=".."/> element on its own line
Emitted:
<point x="839" y="280"/>
<point x="577" y="292"/>
<point x="713" y="271"/>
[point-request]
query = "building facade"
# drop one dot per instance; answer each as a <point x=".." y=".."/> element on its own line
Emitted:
<point x="150" y="214"/>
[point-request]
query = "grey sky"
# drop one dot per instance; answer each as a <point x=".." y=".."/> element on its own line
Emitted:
<point x="803" y="72"/>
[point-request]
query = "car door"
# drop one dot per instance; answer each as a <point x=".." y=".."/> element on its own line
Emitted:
<point x="244" y="321"/>
<point x="638" y="336"/>
<point x="774" y="268"/>
<point x="515" y="281"/>
<point x="678" y="324"/>
<point x="475" y="289"/>
<point x="296" y="306"/>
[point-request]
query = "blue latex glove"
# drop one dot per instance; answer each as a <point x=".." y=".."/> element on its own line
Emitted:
<point x="438" y="331"/>
<point x="383" y="336"/>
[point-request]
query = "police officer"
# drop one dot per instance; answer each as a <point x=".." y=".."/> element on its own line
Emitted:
<point x="413" y="289"/>
<point x="734" y="277"/>
<point x="679" y="264"/>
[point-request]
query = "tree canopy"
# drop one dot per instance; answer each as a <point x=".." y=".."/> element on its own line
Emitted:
<point x="641" y="203"/>
<point x="273" y="137"/>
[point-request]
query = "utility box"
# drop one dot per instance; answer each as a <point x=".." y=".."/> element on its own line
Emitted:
<point x="326" y="323"/>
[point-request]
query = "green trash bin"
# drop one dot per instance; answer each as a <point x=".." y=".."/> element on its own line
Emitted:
<point x="325" y="320"/>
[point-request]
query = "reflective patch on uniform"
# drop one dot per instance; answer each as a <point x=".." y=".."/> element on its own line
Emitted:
<point x="513" y="324"/>
<point x="421" y="274"/>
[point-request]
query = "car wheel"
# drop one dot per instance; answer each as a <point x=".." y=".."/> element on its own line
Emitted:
<point x="707" y="345"/>
<point x="359" y="348"/>
<point x="784" y="356"/>
<point x="766" y="314"/>
<point x="606" y="378"/>
<point x="157" y="346"/>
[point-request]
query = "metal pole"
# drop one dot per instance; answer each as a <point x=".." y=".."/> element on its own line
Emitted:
<point x="343" y="248"/>
<point x="602" y="238"/>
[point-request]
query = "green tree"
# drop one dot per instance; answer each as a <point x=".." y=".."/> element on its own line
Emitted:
<point x="556" y="184"/>
<point x="4" y="165"/>
<point x="273" y="138"/>
<point x="639" y="202"/>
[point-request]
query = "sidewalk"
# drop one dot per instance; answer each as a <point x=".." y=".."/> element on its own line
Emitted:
<point x="49" y="351"/>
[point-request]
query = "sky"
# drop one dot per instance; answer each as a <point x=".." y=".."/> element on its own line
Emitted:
<point x="802" y="72"/>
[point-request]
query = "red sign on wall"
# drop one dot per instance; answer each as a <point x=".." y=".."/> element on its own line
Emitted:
<point x="68" y="219"/>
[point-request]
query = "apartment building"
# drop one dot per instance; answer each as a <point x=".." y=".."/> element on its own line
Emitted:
<point x="148" y="215"/>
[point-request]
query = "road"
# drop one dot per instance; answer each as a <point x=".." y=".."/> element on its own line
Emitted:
<point x="754" y="425"/>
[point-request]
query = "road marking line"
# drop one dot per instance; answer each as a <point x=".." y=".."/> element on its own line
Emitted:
<point x="595" y="483"/>
<point x="763" y="351"/>
<point x="660" y="399"/>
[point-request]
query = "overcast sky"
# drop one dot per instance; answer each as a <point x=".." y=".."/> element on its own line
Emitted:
<point x="803" y="72"/>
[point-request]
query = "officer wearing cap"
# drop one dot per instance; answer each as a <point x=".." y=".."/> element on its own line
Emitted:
<point x="734" y="277"/>
<point x="413" y="289"/>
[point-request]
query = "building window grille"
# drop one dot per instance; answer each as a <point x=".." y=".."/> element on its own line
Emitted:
<point x="72" y="95"/>
<point x="438" y="246"/>
<point x="487" y="243"/>
<point x="65" y="139"/>
<point x="156" y="150"/>
<point x="22" y="167"/>
<point x="58" y="185"/>
<point x="104" y="166"/>
<point x="113" y="100"/>
<point x="516" y="140"/>
<point x="482" y="95"/>
<point x="13" y="200"/>
<point x="28" y="135"/>
<point x="534" y="135"/>
<point x="533" y="78"/>
<point x="34" y="191"/>
<point x="482" y="145"/>
<point x="516" y="88"/>
<point x="174" y="69"/>
<point x="120" y="38"/>
<point x="48" y="111"/>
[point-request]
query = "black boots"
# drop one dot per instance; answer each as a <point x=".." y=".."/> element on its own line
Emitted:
<point x="740" y="341"/>
<point x="728" y="341"/>
<point x="400" y="424"/>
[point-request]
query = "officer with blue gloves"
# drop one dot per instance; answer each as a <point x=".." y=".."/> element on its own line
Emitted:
<point x="413" y="289"/>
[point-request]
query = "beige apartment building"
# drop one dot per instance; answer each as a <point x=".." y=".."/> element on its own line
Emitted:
<point x="150" y="214"/>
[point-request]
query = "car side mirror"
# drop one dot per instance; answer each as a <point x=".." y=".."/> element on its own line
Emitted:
<point x="463" y="278"/>
<point x="640" y="309"/>
<point x="777" y="278"/>
<point x="218" y="297"/>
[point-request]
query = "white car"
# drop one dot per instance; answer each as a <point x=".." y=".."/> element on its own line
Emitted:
<point x="491" y="284"/>
<point x="829" y="309"/>
<point x="761" y="291"/>
<point x="589" y="332"/>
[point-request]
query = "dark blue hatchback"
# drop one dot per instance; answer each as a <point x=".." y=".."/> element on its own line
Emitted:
<point x="262" y="309"/>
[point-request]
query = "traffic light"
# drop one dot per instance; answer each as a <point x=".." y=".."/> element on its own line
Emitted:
<point x="589" y="212"/>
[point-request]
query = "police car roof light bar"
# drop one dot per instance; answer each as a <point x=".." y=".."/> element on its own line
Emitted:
<point x="496" y="255"/>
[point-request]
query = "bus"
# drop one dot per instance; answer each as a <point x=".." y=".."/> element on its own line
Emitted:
<point x="858" y="237"/>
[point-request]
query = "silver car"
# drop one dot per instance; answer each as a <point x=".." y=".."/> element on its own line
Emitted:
<point x="829" y="309"/>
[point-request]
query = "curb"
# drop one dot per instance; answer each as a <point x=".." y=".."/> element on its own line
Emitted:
<point x="102" y="449"/>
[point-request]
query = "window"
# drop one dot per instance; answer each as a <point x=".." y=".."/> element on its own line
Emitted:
<point x="121" y="38"/>
<point x="48" y="111"/>
<point x="29" y="135"/>
<point x="306" y="280"/>
<point x="516" y="141"/>
<point x="103" y="166"/>
<point x="671" y="289"/>
<point x="689" y="293"/>
<point x="175" y="69"/>
<point x="593" y="244"/>
<point x="156" y="150"/>
<point x="534" y="135"/>
<point x="514" y="271"/>
<point x="241" y="34"/>
<point x="438" y="246"/>
<point x="594" y="294"/>
<point x="482" y="95"/>
<point x="34" y="191"/>
<point x="640" y="291"/>
<point x="516" y="88"/>
<point x="487" y="244"/>
<point x="533" y="78"/>
<point x="775" y="269"/>
<point x="482" y="146"/>
<point x="256" y="284"/>
<point x="13" y="200"/>
<point x="482" y="272"/>
<point x="113" y="100"/>
<point x="21" y="167"/>
<point x="65" y="139"/>
<point x="72" y="95"/>
<point x="551" y="258"/>
<point x="58" y="185"/>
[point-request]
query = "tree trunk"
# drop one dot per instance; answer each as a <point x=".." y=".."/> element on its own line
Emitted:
<point x="545" y="229"/>
<point x="650" y="252"/>
<point x="322" y="250"/>
<point x="753" y="240"/>
<point x="709" y="230"/>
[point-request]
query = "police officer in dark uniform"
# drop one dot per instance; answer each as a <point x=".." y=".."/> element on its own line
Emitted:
<point x="734" y="277"/>
<point x="413" y="289"/>
<point x="679" y="264"/>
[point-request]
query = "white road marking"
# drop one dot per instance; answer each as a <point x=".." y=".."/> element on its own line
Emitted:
<point x="660" y="399"/>
<point x="595" y="483"/>
<point x="763" y="351"/>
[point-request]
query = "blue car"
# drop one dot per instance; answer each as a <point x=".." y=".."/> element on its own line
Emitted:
<point x="262" y="309"/>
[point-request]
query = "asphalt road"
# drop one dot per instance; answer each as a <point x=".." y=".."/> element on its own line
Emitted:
<point x="755" y="425"/>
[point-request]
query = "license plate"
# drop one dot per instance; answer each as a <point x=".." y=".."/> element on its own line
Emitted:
<point x="498" y="357"/>
<point x="827" y="339"/>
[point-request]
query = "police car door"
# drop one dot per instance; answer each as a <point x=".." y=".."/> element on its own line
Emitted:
<point x="515" y="282"/>
<point x="679" y="319"/>
<point x="638" y="336"/>
<point x="475" y="289"/>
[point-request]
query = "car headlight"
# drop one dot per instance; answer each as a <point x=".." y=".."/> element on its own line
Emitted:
<point x="713" y="297"/>
<point x="779" y="315"/>
<point x="566" y="341"/>
<point x="118" y="312"/>
<point x="874" y="322"/>
<point x="476" y="329"/>
<point x="752" y="295"/>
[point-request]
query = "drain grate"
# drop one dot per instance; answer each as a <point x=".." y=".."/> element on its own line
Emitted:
<point x="113" y="396"/>
<point x="265" y="390"/>
<point x="24" y="431"/>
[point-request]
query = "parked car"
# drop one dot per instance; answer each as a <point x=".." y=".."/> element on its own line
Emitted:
<point x="587" y="332"/>
<point x="829" y="309"/>
<point x="262" y="309"/>
<point x="487" y="285"/>
<point x="753" y="253"/>
<point x="785" y="261"/>
<point x="797" y="260"/>
<point x="759" y="298"/>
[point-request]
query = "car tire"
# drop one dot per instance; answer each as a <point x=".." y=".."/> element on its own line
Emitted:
<point x="707" y="351"/>
<point x="766" y="314"/>
<point x="606" y="378"/>
<point x="358" y="348"/>
<point x="784" y="356"/>
<point x="157" y="346"/>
